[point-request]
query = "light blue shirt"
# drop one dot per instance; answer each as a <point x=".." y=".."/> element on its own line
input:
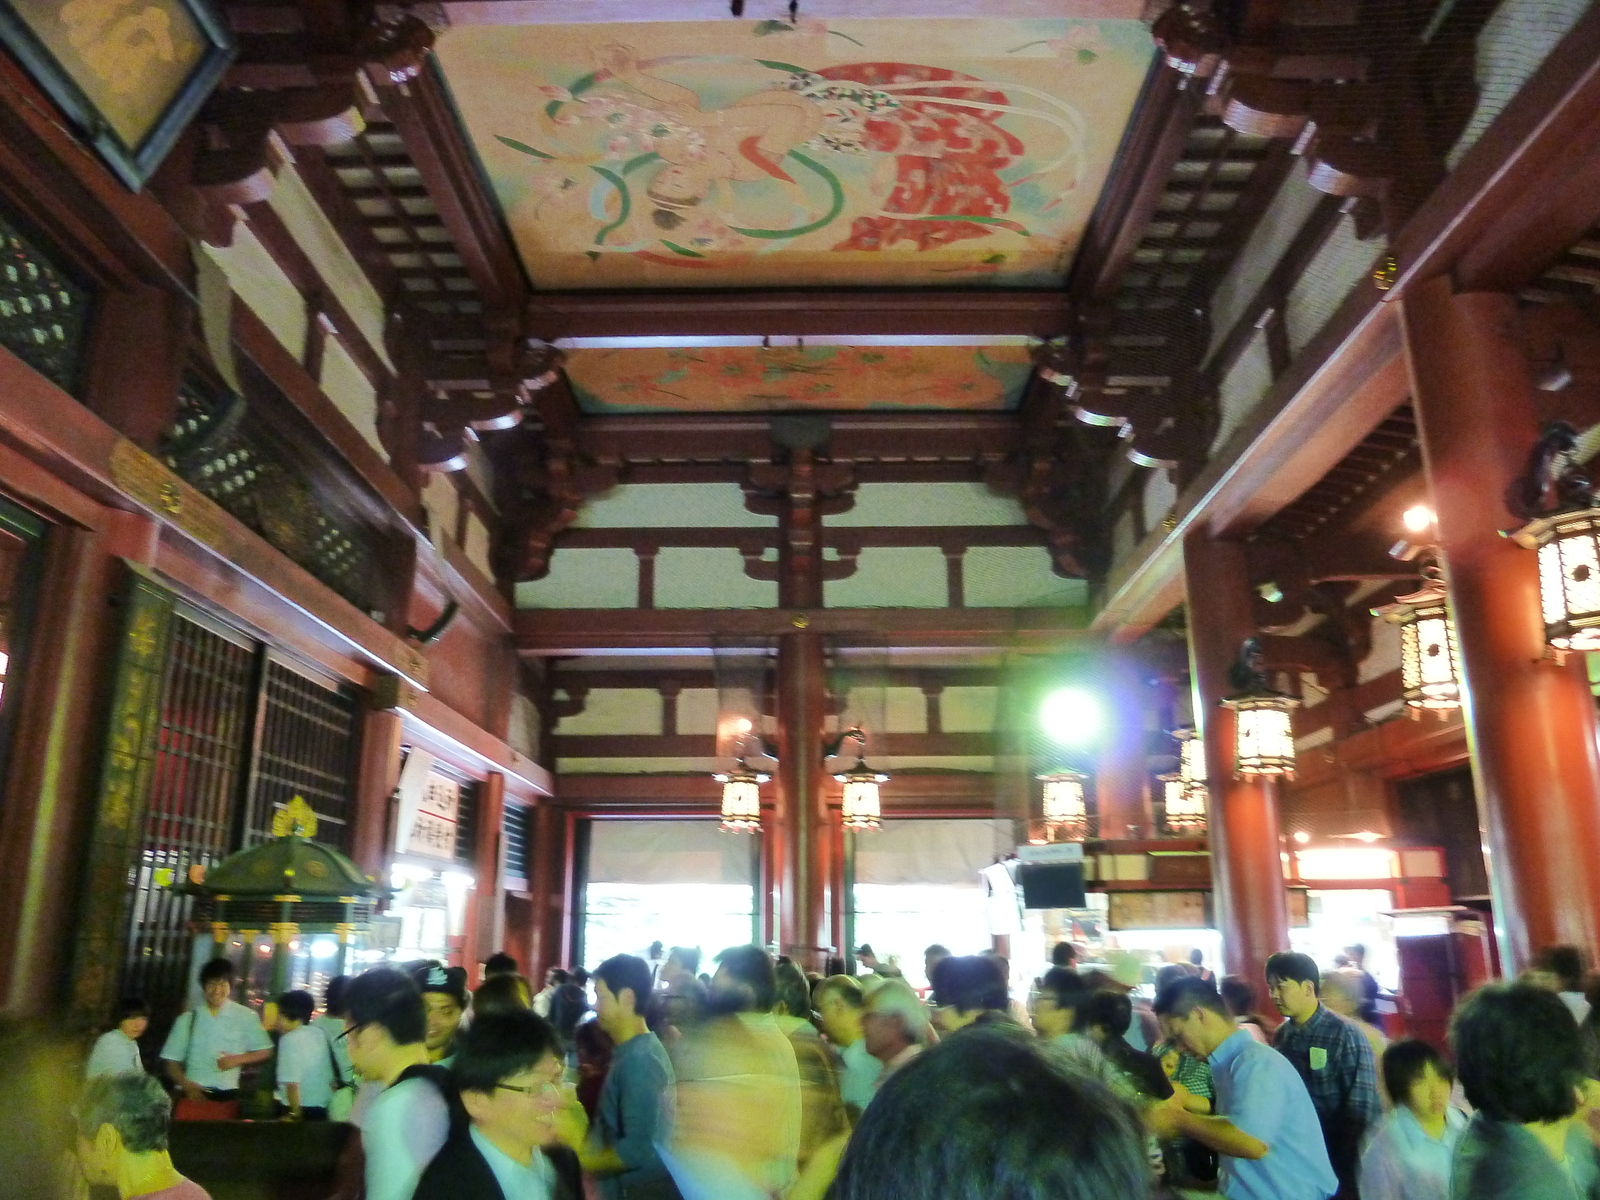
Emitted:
<point x="1261" y="1093"/>
<point x="198" y="1037"/>
<point x="1401" y="1162"/>
<point x="114" y="1054"/>
<point x="859" y="1079"/>
<point x="518" y="1181"/>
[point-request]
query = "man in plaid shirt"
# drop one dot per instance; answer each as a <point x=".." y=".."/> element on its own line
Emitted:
<point x="1333" y="1057"/>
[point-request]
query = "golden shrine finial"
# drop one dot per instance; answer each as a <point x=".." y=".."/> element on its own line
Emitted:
<point x="295" y="819"/>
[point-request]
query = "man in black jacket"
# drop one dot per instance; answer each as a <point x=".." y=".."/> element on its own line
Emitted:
<point x="509" y="1076"/>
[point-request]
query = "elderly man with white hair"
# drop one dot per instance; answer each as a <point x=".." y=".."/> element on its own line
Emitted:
<point x="894" y="1026"/>
<point x="122" y="1139"/>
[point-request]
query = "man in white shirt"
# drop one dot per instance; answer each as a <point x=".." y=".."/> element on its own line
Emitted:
<point x="839" y="1002"/>
<point x="408" y="1119"/>
<point x="305" y="1061"/>
<point x="209" y="1044"/>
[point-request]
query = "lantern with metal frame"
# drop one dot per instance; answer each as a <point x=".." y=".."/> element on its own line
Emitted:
<point x="1430" y="662"/>
<point x="1066" y="807"/>
<point x="1264" y="735"/>
<point x="741" y="798"/>
<point x="861" y="806"/>
<point x="1184" y="792"/>
<point x="1562" y="512"/>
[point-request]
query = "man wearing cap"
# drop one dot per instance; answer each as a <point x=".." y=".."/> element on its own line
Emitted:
<point x="444" y="992"/>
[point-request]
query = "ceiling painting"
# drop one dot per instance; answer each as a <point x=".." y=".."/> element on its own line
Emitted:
<point x="827" y="153"/>
<point x="757" y="379"/>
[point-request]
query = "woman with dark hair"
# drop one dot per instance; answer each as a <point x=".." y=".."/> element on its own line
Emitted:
<point x="568" y="1007"/>
<point x="970" y="989"/>
<point x="1523" y="1069"/>
<point x="117" y="1050"/>
<point x="994" y="1113"/>
<point x="502" y="994"/>
<point x="1240" y="998"/>
<point x="1408" y="1156"/>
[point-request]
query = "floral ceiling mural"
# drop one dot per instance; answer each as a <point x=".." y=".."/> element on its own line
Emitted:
<point x="727" y="154"/>
<point x="756" y="379"/>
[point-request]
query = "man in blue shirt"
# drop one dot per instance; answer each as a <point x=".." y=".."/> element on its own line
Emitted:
<point x="1265" y="1128"/>
<point x="621" y="1148"/>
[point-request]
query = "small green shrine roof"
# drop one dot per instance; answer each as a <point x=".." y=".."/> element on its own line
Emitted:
<point x="290" y="864"/>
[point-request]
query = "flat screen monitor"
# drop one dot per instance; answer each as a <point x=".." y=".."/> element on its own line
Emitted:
<point x="1052" y="885"/>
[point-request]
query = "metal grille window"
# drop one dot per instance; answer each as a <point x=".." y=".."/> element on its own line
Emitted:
<point x="233" y="456"/>
<point x="305" y="749"/>
<point x="200" y="759"/>
<point x="44" y="309"/>
<point x="515" y="837"/>
<point x="239" y="734"/>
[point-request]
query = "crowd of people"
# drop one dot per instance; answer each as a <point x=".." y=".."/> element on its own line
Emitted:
<point x="648" y="1079"/>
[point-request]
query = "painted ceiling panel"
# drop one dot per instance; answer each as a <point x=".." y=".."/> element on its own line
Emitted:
<point x="757" y="379"/>
<point x="760" y="153"/>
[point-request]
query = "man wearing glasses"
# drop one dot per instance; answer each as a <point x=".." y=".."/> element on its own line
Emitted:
<point x="406" y="1123"/>
<point x="510" y="1084"/>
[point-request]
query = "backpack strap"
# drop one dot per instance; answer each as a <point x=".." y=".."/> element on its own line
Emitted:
<point x="441" y="1079"/>
<point x="333" y="1060"/>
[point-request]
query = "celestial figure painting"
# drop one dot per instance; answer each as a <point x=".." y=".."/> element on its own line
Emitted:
<point x="764" y="154"/>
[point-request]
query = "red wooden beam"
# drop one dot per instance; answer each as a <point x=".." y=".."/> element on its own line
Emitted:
<point x="849" y="538"/>
<point x="1525" y="191"/>
<point x="954" y="313"/>
<point x="423" y="115"/>
<point x="697" y="745"/>
<point x="576" y="631"/>
<point x="1151" y="146"/>
<point x="542" y="12"/>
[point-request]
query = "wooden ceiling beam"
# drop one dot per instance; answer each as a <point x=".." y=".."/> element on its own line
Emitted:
<point x="1151" y="147"/>
<point x="780" y="313"/>
<point x="425" y="119"/>
<point x="546" y="632"/>
<point x="907" y="438"/>
<point x="1522" y="194"/>
<point x="598" y="679"/>
<point x="704" y="745"/>
<point x="853" y="538"/>
<point x="543" y="12"/>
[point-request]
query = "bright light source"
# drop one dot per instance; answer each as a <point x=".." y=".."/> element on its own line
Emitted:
<point x="1071" y="716"/>
<point x="742" y="725"/>
<point x="1367" y="836"/>
<point x="322" y="948"/>
<point x="1418" y="518"/>
<point x="1302" y="837"/>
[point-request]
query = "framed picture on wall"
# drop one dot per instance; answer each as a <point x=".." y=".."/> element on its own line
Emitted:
<point x="129" y="73"/>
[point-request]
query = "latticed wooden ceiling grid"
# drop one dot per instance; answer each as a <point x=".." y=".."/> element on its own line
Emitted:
<point x="387" y="190"/>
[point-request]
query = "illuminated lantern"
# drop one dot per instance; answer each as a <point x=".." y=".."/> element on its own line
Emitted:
<point x="1563" y="513"/>
<point x="1184" y="794"/>
<point x="1066" y="811"/>
<point x="1264" y="736"/>
<point x="1430" y="663"/>
<point x="1569" y="576"/>
<point x="741" y="799"/>
<point x="862" y="806"/>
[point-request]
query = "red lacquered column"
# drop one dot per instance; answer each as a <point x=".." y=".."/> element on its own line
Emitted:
<point x="1530" y="722"/>
<point x="1246" y="850"/>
